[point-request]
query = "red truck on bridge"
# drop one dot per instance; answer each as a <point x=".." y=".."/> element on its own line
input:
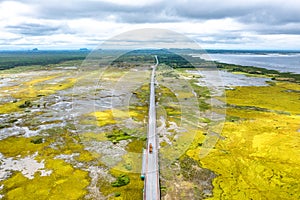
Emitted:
<point x="150" y="148"/>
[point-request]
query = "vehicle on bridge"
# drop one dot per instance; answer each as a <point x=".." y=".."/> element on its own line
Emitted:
<point x="150" y="148"/>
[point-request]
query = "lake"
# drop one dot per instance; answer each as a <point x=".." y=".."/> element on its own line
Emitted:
<point x="283" y="62"/>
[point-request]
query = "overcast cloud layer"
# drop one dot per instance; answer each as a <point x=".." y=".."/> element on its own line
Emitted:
<point x="230" y="24"/>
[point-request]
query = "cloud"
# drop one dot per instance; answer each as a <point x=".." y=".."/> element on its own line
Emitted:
<point x="212" y="22"/>
<point x="255" y="11"/>
<point x="277" y="29"/>
<point x="267" y="16"/>
<point x="31" y="29"/>
<point x="155" y="11"/>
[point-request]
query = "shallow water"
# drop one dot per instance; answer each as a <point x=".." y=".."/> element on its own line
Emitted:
<point x="227" y="79"/>
<point x="279" y="62"/>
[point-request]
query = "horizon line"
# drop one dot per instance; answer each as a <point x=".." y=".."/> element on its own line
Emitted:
<point x="93" y="49"/>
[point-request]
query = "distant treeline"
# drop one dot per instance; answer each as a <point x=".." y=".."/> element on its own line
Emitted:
<point x="165" y="56"/>
<point x="172" y="57"/>
<point x="275" y="75"/>
<point x="11" y="59"/>
<point x="177" y="60"/>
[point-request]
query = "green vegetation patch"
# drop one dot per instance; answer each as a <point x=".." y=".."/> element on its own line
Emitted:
<point x="122" y="180"/>
<point x="132" y="190"/>
<point x="38" y="140"/>
<point x="117" y="135"/>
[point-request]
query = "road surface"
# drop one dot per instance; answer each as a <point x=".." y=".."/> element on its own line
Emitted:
<point x="151" y="187"/>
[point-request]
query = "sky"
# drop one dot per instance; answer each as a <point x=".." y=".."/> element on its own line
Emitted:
<point x="213" y="24"/>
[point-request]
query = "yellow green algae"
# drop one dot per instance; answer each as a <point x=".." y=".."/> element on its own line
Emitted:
<point x="135" y="146"/>
<point x="93" y="136"/>
<point x="138" y="113"/>
<point x="101" y="118"/>
<point x="64" y="181"/>
<point x="172" y="111"/>
<point x="112" y="74"/>
<point x="31" y="90"/>
<point x="181" y="177"/>
<point x="110" y="120"/>
<point x="19" y="146"/>
<point x="169" y="102"/>
<point x="278" y="97"/>
<point x="257" y="155"/>
<point x="112" y="116"/>
<point x="133" y="190"/>
<point x="130" y="166"/>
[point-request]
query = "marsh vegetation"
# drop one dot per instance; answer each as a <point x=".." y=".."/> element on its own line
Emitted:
<point x="83" y="130"/>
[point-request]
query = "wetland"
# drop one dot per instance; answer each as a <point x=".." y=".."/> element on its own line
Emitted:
<point x="68" y="131"/>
